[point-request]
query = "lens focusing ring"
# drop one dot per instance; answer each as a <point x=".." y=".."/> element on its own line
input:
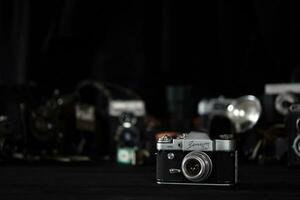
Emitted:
<point x="205" y="166"/>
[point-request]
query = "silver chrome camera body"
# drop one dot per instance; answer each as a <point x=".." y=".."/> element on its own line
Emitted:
<point x="195" y="159"/>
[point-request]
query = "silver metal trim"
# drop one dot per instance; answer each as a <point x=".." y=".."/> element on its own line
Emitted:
<point x="117" y="107"/>
<point x="175" y="145"/>
<point x="195" y="142"/>
<point x="225" y="145"/>
<point x="197" y="145"/>
<point x="277" y="88"/>
<point x="170" y="156"/>
<point x="186" y="145"/>
<point x="204" y="184"/>
<point x="174" y="171"/>
<point x="165" y="139"/>
<point x="297" y="122"/>
<point x="295" y="148"/>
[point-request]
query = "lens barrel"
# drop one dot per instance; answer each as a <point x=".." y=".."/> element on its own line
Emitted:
<point x="196" y="166"/>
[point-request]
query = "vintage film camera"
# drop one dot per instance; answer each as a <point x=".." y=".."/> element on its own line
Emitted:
<point x="277" y="100"/>
<point x="195" y="159"/>
<point x="73" y="126"/>
<point x="8" y="140"/>
<point x="293" y="127"/>
<point x="91" y="101"/>
<point x="50" y="129"/>
<point x="13" y="125"/>
<point x="127" y="130"/>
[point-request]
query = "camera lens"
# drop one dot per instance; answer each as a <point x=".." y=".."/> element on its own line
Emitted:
<point x="193" y="167"/>
<point x="196" y="166"/>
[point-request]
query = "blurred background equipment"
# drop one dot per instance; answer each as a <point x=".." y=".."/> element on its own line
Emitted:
<point x="92" y="123"/>
<point x="13" y="123"/>
<point x="180" y="108"/>
<point x="7" y="143"/>
<point x="244" y="112"/>
<point x="276" y="101"/>
<point x="84" y="125"/>
<point x="50" y="129"/>
<point x="241" y="114"/>
<point x="293" y="128"/>
<point x="268" y="146"/>
<point x="127" y="120"/>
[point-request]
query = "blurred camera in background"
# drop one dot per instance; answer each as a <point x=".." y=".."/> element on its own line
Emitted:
<point x="127" y="119"/>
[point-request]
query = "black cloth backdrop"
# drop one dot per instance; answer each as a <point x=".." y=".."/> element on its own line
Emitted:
<point x="218" y="47"/>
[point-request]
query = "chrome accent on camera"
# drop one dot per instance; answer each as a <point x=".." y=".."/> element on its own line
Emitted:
<point x="296" y="145"/>
<point x="170" y="156"/>
<point x="165" y="139"/>
<point x="203" y="163"/>
<point x="197" y="145"/>
<point x="225" y="145"/>
<point x="174" y="171"/>
<point x="195" y="141"/>
<point x="172" y="145"/>
<point x="190" y="142"/>
<point x="298" y="124"/>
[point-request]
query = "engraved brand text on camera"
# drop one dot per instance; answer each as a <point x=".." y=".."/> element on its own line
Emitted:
<point x="200" y="145"/>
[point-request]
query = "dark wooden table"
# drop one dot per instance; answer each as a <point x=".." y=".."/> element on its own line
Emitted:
<point x="108" y="181"/>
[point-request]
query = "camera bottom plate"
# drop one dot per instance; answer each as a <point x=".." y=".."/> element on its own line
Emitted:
<point x="205" y="184"/>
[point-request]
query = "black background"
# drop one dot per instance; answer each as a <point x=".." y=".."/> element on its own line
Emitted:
<point x="218" y="47"/>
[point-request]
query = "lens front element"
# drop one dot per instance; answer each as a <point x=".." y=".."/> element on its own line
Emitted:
<point x="193" y="167"/>
<point x="196" y="166"/>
